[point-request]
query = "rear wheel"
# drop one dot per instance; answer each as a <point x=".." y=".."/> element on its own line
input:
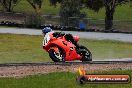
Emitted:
<point x="85" y="53"/>
<point x="56" y="56"/>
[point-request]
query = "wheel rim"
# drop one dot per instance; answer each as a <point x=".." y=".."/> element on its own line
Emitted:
<point x="58" y="55"/>
<point x="86" y="55"/>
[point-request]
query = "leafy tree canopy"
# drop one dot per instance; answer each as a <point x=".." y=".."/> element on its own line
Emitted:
<point x="8" y="5"/>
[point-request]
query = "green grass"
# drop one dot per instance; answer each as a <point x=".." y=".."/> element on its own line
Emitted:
<point x="27" y="48"/>
<point x="58" y="80"/>
<point x="123" y="12"/>
<point x="21" y="48"/>
<point x="25" y="7"/>
<point x="107" y="49"/>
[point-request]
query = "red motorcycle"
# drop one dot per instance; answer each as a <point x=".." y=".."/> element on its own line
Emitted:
<point x="61" y="50"/>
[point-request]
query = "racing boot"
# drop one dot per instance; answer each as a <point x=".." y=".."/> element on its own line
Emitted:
<point x="77" y="47"/>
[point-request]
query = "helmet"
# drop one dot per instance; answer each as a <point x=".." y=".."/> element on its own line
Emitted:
<point x="46" y="30"/>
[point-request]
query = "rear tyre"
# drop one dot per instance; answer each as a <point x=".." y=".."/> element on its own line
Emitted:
<point x="56" y="56"/>
<point x="85" y="53"/>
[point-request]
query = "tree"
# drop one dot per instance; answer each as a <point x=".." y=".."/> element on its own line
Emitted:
<point x="69" y="11"/>
<point x="36" y="4"/>
<point x="8" y="5"/>
<point x="54" y="2"/>
<point x="34" y="20"/>
<point x="96" y="5"/>
<point x="70" y="8"/>
<point x="110" y="6"/>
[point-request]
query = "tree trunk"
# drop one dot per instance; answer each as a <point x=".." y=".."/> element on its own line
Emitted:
<point x="9" y="7"/>
<point x="109" y="19"/>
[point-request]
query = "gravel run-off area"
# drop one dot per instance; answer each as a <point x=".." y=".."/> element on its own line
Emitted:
<point x="23" y="71"/>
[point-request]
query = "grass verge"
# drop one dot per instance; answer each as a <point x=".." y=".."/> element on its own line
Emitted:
<point x="58" y="80"/>
<point x="27" y="48"/>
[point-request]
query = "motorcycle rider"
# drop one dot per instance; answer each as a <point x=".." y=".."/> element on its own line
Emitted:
<point x="68" y="37"/>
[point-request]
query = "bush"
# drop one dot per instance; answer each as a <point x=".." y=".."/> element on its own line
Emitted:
<point x="33" y="21"/>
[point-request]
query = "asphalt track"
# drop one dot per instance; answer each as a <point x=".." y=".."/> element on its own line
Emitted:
<point x="87" y="35"/>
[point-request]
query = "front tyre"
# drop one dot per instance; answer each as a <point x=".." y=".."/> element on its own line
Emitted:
<point x="85" y="53"/>
<point x="56" y="56"/>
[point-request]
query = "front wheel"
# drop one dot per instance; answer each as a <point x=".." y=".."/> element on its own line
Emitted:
<point x="56" y="56"/>
<point x="85" y="53"/>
